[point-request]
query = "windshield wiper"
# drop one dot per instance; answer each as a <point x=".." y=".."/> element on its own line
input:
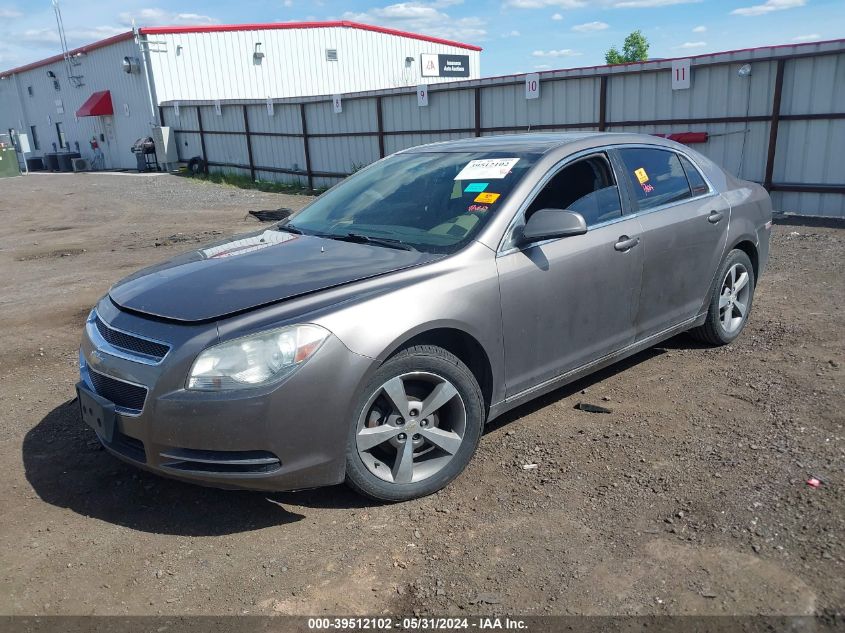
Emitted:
<point x="359" y="238"/>
<point x="290" y="228"/>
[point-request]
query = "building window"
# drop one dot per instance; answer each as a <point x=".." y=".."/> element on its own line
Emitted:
<point x="60" y="133"/>
<point x="34" y="134"/>
<point x="30" y="91"/>
<point x="331" y="54"/>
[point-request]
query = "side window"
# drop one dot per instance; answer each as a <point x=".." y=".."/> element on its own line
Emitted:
<point x="586" y="186"/>
<point x="696" y="180"/>
<point x="656" y="176"/>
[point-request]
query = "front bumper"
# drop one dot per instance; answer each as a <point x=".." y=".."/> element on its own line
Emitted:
<point x="287" y="436"/>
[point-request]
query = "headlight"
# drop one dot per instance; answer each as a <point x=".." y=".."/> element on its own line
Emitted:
<point x="255" y="360"/>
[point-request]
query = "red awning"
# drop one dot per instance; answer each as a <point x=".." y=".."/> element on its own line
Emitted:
<point x="98" y="104"/>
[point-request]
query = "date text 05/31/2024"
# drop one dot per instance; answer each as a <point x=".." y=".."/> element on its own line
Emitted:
<point x="415" y="624"/>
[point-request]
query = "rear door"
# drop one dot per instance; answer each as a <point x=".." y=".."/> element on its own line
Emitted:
<point x="684" y="230"/>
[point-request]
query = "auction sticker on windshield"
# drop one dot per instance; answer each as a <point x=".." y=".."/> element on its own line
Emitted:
<point x="487" y="168"/>
<point x="487" y="197"/>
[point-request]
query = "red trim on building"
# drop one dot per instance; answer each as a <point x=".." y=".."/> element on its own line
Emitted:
<point x="273" y="26"/>
<point x="82" y="49"/>
<point x="98" y="104"/>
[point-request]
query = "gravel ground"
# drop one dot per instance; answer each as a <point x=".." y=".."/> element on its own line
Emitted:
<point x="688" y="498"/>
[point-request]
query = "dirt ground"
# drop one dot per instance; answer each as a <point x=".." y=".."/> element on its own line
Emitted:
<point x="690" y="497"/>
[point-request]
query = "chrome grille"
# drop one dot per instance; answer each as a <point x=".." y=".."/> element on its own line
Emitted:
<point x="130" y="343"/>
<point x="123" y="394"/>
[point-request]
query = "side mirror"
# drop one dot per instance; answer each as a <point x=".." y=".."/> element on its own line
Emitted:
<point x="546" y="224"/>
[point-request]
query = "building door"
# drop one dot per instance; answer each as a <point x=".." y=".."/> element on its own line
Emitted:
<point x="107" y="141"/>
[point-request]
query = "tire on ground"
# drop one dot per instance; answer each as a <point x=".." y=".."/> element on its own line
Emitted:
<point x="712" y="331"/>
<point x="428" y="358"/>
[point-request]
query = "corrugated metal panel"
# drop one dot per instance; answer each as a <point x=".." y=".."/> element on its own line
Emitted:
<point x="286" y="119"/>
<point x="814" y="85"/>
<point x="220" y="65"/>
<point x="824" y="204"/>
<point x="445" y="111"/>
<point x="809" y="152"/>
<point x="358" y="115"/>
<point x="394" y="143"/>
<point x="574" y="101"/>
<point x="343" y="155"/>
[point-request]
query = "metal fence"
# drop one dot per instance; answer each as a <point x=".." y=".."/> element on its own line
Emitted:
<point x="783" y="125"/>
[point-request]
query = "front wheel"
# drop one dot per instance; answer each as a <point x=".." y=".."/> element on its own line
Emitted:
<point x="730" y="304"/>
<point x="415" y="427"/>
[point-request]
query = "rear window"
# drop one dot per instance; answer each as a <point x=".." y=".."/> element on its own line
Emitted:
<point x="696" y="180"/>
<point x="656" y="176"/>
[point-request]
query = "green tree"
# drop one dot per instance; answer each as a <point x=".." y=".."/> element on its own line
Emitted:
<point x="634" y="49"/>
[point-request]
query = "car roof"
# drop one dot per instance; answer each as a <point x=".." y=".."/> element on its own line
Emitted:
<point x="536" y="142"/>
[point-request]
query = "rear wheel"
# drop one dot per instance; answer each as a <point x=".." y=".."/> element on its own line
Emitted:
<point x="416" y="426"/>
<point x="730" y="304"/>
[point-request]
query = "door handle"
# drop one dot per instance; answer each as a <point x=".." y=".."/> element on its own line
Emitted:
<point x="714" y="217"/>
<point x="626" y="243"/>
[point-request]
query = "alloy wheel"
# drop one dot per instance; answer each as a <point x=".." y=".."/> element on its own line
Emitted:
<point x="411" y="427"/>
<point x="734" y="298"/>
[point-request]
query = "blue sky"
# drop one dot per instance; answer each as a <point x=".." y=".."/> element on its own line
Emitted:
<point x="517" y="35"/>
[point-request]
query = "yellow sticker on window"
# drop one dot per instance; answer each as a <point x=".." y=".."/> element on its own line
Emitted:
<point x="641" y="175"/>
<point x="487" y="198"/>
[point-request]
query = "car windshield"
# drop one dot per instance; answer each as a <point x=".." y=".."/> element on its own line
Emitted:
<point x="428" y="201"/>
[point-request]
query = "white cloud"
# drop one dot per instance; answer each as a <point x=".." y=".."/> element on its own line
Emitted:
<point x="40" y="36"/>
<point x="591" y="26"/>
<point x="542" y="67"/>
<point x="511" y="34"/>
<point x="577" y="4"/>
<point x="423" y="18"/>
<point x="807" y="38"/>
<point x="75" y="37"/>
<point x="768" y="7"/>
<point x="159" y="17"/>
<point x="692" y="45"/>
<point x="700" y="29"/>
<point x="539" y="4"/>
<point x="288" y="3"/>
<point x="647" y="4"/>
<point x="8" y="13"/>
<point x="557" y="16"/>
<point x="562" y="52"/>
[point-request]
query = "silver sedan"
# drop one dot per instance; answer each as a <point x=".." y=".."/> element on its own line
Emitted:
<point x="370" y="336"/>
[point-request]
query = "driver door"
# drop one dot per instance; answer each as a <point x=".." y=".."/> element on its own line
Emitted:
<point x="572" y="300"/>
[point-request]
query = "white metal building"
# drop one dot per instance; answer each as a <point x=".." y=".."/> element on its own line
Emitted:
<point x="109" y="92"/>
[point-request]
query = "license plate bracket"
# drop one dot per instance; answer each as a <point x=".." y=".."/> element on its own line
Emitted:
<point x="97" y="412"/>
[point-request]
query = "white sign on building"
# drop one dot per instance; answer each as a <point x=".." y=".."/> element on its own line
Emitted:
<point x="337" y="104"/>
<point x="532" y="86"/>
<point x="680" y="74"/>
<point x="422" y="95"/>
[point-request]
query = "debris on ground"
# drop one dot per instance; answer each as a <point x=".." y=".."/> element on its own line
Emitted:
<point x="592" y="408"/>
<point x="271" y="215"/>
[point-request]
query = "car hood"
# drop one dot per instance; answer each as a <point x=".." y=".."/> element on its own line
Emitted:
<point x="253" y="270"/>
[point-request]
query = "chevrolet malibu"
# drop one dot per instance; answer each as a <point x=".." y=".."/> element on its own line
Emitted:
<point x="370" y="336"/>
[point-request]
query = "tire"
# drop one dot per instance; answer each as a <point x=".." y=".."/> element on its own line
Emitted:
<point x="722" y="327"/>
<point x="401" y="396"/>
<point x="197" y="166"/>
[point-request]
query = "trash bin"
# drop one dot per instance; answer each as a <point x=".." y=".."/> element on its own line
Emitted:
<point x="65" y="160"/>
